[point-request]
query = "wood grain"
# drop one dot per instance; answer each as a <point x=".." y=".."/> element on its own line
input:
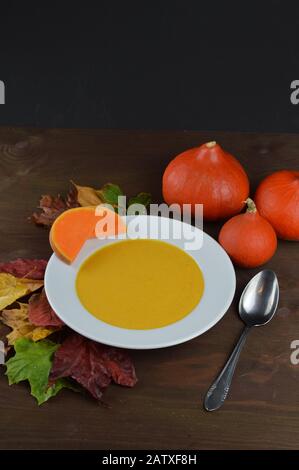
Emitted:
<point x="165" y="409"/>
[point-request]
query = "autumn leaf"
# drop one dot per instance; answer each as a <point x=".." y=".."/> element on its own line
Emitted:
<point x="71" y="200"/>
<point x="52" y="206"/>
<point x="142" y="198"/>
<point x="32" y="362"/>
<point x="33" y="268"/>
<point x="87" y="196"/>
<point x="92" y="364"/>
<point x="120" y="366"/>
<point x="40" y="312"/>
<point x="110" y="193"/>
<point x="17" y="319"/>
<point x="12" y="288"/>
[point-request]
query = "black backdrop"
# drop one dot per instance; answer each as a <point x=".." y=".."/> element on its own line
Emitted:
<point x="187" y="64"/>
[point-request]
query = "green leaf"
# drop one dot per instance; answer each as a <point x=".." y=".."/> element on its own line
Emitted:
<point x="33" y="362"/>
<point x="142" y="198"/>
<point x="110" y="193"/>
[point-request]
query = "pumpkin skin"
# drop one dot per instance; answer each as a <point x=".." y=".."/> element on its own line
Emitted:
<point x="248" y="238"/>
<point x="206" y="175"/>
<point x="277" y="199"/>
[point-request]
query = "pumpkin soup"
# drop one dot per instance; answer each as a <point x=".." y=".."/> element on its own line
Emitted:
<point x="139" y="284"/>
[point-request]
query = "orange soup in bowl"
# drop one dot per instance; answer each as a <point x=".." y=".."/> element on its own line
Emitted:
<point x="139" y="284"/>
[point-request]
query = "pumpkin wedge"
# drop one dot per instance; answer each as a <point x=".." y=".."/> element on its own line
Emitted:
<point x="74" y="226"/>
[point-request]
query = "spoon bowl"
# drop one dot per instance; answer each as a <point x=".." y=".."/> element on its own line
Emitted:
<point x="259" y="300"/>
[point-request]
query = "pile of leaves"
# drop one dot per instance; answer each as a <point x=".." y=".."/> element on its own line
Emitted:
<point x="73" y="361"/>
<point x="52" y="206"/>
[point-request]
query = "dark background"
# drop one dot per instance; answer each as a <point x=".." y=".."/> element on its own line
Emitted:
<point x="150" y="64"/>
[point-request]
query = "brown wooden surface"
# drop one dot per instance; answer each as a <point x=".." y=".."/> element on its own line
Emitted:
<point x="165" y="409"/>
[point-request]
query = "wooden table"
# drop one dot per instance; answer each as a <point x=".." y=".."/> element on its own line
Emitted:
<point x="165" y="409"/>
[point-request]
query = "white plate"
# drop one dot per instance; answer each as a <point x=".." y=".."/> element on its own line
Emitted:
<point x="217" y="269"/>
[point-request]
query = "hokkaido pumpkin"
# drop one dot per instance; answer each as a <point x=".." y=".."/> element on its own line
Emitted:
<point x="277" y="199"/>
<point x="74" y="226"/>
<point x="248" y="238"/>
<point x="207" y="175"/>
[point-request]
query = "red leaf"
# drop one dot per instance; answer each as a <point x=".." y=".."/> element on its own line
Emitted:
<point x="40" y="313"/>
<point x="120" y="366"/>
<point x="92" y="364"/>
<point x="30" y="268"/>
<point x="71" y="199"/>
<point x="52" y="206"/>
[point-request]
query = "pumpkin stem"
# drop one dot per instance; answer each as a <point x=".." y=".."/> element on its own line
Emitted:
<point x="211" y="144"/>
<point x="251" y="207"/>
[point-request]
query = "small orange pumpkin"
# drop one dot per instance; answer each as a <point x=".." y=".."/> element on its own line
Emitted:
<point x="248" y="238"/>
<point x="207" y="175"/>
<point x="277" y="199"/>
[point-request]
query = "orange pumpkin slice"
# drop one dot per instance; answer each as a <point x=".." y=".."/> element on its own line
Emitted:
<point x="74" y="226"/>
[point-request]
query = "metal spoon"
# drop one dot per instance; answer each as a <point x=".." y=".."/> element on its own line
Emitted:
<point x="257" y="306"/>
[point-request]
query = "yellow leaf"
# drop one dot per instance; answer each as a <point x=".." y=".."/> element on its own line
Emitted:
<point x="87" y="196"/>
<point x="12" y="288"/>
<point x="17" y="319"/>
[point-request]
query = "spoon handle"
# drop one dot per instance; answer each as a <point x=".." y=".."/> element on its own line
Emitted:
<point x="218" y="392"/>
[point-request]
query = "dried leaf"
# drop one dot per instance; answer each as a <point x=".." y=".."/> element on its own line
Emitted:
<point x="52" y="206"/>
<point x="91" y="364"/>
<point x="71" y="198"/>
<point x="87" y="196"/>
<point x="33" y="268"/>
<point x="119" y="366"/>
<point x="17" y="319"/>
<point x="40" y="312"/>
<point x="33" y="362"/>
<point x="108" y="194"/>
<point x="12" y="288"/>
